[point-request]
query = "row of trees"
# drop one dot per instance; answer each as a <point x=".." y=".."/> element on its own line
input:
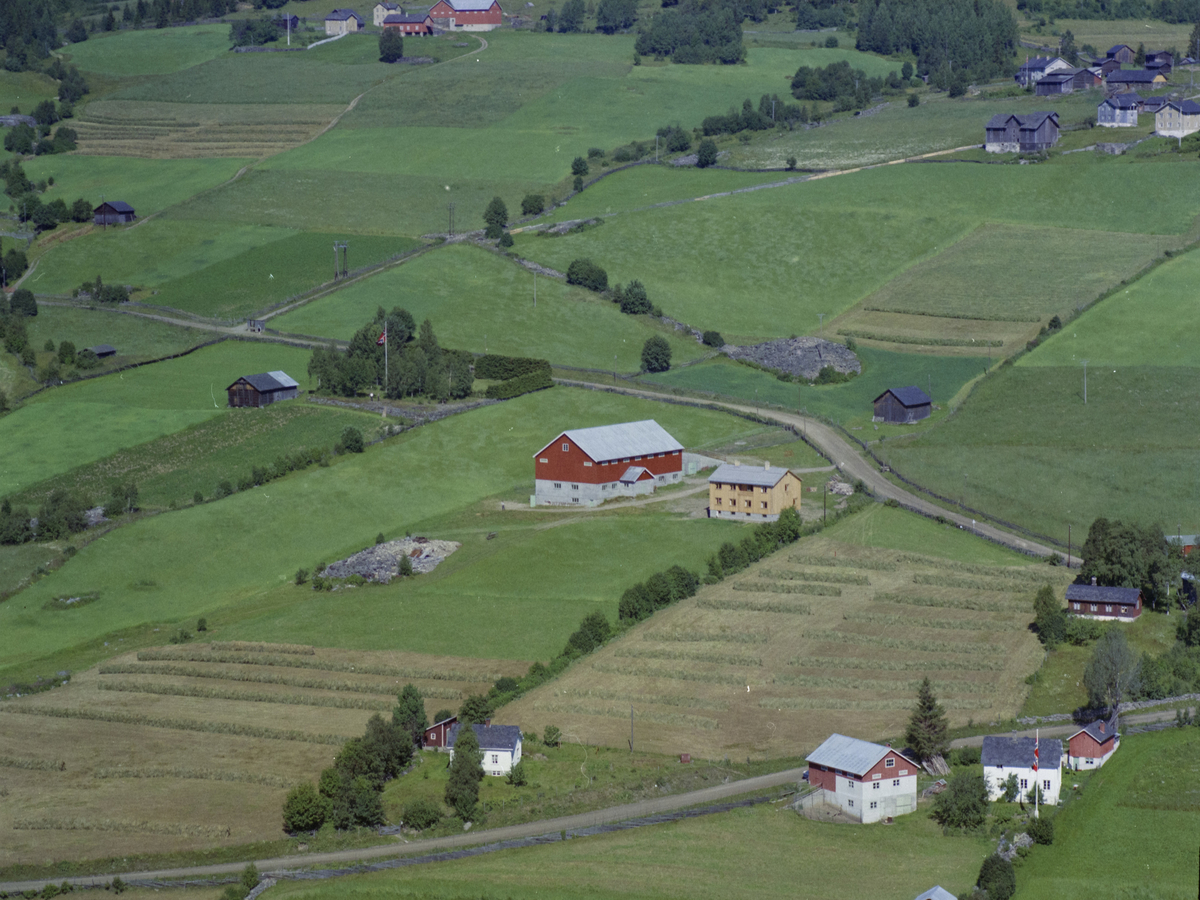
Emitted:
<point x="696" y="32"/>
<point x="416" y="364"/>
<point x="26" y="199"/>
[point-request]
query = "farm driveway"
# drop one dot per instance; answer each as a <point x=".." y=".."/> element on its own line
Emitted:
<point x="471" y="839"/>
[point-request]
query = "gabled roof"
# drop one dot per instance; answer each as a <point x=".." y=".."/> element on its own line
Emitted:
<point x="605" y="443"/>
<point x="1059" y="77"/>
<point x="1041" y="62"/>
<point x="1100" y="731"/>
<point x="1115" y="48"/>
<point x="342" y="15"/>
<point x="406" y="19"/>
<point x="1099" y="593"/>
<point x="1130" y="100"/>
<point x="1156" y="64"/>
<point x="634" y="474"/>
<point x="851" y="755"/>
<point x="103" y="349"/>
<point x="753" y="475"/>
<point x="913" y="395"/>
<point x="470" y="5"/>
<point x="1185" y="107"/>
<point x="265" y="382"/>
<point x="491" y="737"/>
<point x="116" y="206"/>
<point x="1133" y="76"/>
<point x="1017" y="752"/>
<point x="937" y="892"/>
<point x="1154" y="104"/>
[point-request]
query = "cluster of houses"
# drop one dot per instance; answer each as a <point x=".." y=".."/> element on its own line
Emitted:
<point x="1050" y="75"/>
<point x="445" y="15"/>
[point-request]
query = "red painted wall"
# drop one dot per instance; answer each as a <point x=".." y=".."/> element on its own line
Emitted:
<point x="1086" y="746"/>
<point x="570" y="466"/>
<point x="490" y="16"/>
<point x="826" y="779"/>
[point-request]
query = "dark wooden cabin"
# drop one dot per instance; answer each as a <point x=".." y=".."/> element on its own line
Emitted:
<point x="113" y="212"/>
<point x="103" y="350"/>
<point x="902" y="406"/>
<point x="262" y="389"/>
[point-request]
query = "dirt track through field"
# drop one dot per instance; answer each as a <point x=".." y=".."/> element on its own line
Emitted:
<point x="282" y="866"/>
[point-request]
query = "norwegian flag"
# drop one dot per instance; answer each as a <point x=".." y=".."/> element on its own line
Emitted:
<point x="1035" y="754"/>
<point x="382" y="339"/>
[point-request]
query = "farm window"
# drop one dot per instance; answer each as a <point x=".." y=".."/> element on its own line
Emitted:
<point x="874" y="805"/>
<point x="587" y="465"/>
<point x="764" y="504"/>
<point x="1024" y="783"/>
<point x="1046" y="785"/>
<point x="558" y="485"/>
<point x="851" y="804"/>
<point x="1124" y="610"/>
<point x="895" y="782"/>
<point x="1076" y="607"/>
<point x="747" y="504"/>
<point x="574" y="499"/>
<point x="566" y="447"/>
<point x="574" y="487"/>
<point x="904" y="771"/>
<point x="495" y="759"/>
<point x="889" y="763"/>
<point x="875" y="786"/>
<point x="1094" y="607"/>
<point x="876" y="775"/>
<point x="543" y="460"/>
<point x="717" y="502"/>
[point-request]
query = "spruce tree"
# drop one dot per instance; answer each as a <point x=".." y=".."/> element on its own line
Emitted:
<point x="409" y="714"/>
<point x="926" y="733"/>
<point x="466" y="771"/>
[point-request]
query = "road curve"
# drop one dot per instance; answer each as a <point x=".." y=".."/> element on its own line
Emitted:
<point x="434" y="845"/>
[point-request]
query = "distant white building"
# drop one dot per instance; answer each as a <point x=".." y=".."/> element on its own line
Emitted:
<point x="501" y="746"/>
<point x="868" y="781"/>
<point x="937" y="892"/>
<point x="1006" y="756"/>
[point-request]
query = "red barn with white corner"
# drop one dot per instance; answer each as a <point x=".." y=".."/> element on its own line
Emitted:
<point x="591" y="465"/>
<point x="1091" y="746"/>
<point x="467" y="15"/>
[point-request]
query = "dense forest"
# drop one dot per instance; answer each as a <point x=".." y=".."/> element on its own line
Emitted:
<point x="1174" y="11"/>
<point x="699" y="31"/>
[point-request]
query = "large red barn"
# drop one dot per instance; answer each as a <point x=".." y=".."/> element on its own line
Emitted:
<point x="467" y="15"/>
<point x="591" y="465"/>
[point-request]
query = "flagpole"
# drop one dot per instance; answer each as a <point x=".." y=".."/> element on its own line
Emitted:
<point x="1036" y="783"/>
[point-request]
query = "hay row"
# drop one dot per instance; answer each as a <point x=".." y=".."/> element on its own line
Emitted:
<point x="732" y="637"/>
<point x="773" y="606"/>
<point x="33" y="763"/>
<point x="121" y="718"/>
<point x="827" y="577"/>
<point x="617" y="712"/>
<point x="274" y="781"/>
<point x="846" y="637"/>
<point x="950" y="602"/>
<point x="911" y="622"/>
<point x="767" y="587"/>
<point x="883" y="684"/>
<point x="1031" y="574"/>
<point x="657" y="699"/>
<point x="301" y="681"/>
<point x="216" y="693"/>
<point x="259" y="647"/>
<point x="862" y="705"/>
<point x="731" y="659"/>
<point x="897" y="665"/>
<point x="966" y="583"/>
<point x="324" y="665"/>
<point x="672" y="674"/>
<point x="128" y="826"/>
<point x="831" y="562"/>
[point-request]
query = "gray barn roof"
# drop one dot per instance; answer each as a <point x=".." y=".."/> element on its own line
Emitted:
<point x="1099" y="593"/>
<point x="103" y="349"/>
<point x="1186" y="107"/>
<point x="266" y="382"/>
<point x="850" y="754"/>
<point x="1130" y="100"/>
<point x="625" y="441"/>
<point x="909" y="396"/>
<point x="116" y="206"/>
<point x="632" y="474"/>
<point x="752" y="475"/>
<point x="1017" y="752"/>
<point x="1132" y="76"/>
<point x="937" y="892"/>
<point x="491" y="737"/>
<point x="342" y="15"/>
<point x="1100" y="730"/>
<point x="471" y="5"/>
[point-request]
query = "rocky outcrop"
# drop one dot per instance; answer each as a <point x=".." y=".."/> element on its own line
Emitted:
<point x="803" y="356"/>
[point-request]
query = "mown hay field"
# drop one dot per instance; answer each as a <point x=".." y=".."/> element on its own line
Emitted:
<point x="195" y="746"/>
<point x="149" y="51"/>
<point x="134" y="337"/>
<point x="826" y="636"/>
<point x="477" y="300"/>
<point x="1105" y="33"/>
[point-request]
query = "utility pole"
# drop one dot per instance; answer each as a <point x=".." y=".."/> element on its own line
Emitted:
<point x="825" y="504"/>
<point x="1085" y="362"/>
<point x="535" y="290"/>
<point x="631" y="728"/>
<point x="821" y="320"/>
<point x="1068" y="546"/>
<point x="450" y="207"/>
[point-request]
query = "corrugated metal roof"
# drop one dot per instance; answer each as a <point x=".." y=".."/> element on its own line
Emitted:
<point x="1099" y="593"/>
<point x="491" y="737"/>
<point x="342" y="15"/>
<point x="633" y="474"/>
<point x="284" y="379"/>
<point x="1139" y="76"/>
<point x="470" y="5"/>
<point x="1017" y="752"/>
<point x="116" y="205"/>
<point x="937" y="892"/>
<point x="1100" y="730"/>
<point x="605" y="443"/>
<point x="759" y="477"/>
<point x="909" y="396"/>
<point x="1124" y="101"/>
<point x="850" y="754"/>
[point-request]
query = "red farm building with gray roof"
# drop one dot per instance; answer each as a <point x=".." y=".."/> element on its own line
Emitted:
<point x="587" y="466"/>
<point x="867" y="781"/>
<point x="467" y="15"/>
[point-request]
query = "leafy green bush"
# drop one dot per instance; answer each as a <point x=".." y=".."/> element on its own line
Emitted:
<point x="712" y="339"/>
<point x="523" y="384"/>
<point x="1041" y="830"/>
<point x="422" y="814"/>
<point x="997" y="878"/>
<point x="586" y="273"/>
<point x="501" y="368"/>
<point x="551" y="736"/>
<point x="304" y="809"/>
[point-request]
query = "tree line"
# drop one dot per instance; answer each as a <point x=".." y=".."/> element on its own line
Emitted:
<point x="1178" y="12"/>
<point x="28" y="206"/>
<point x="697" y="31"/>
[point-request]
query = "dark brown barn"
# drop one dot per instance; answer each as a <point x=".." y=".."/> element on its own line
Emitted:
<point x="263" y="389"/>
<point x="103" y="351"/>
<point x="114" y="212"/>
<point x="902" y="405"/>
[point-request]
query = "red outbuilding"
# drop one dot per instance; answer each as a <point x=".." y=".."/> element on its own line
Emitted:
<point x="1091" y="746"/>
<point x="417" y="23"/>
<point x="467" y="15"/>
<point x="591" y="465"/>
<point x="438" y="733"/>
<point x="1093" y="601"/>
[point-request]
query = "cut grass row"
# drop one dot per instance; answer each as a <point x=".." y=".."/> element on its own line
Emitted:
<point x="301" y="681"/>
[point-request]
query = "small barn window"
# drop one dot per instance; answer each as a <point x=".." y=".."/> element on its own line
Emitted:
<point x="895" y="782"/>
<point x="495" y="759"/>
<point x="851" y="804"/>
<point x="1108" y="607"/>
<point x="889" y="763"/>
<point x="904" y="771"/>
<point x="747" y="504"/>
<point x="1024" y="783"/>
<point x="764" y="504"/>
<point x="1093" y="607"/>
<point x="1124" y="610"/>
<point x="543" y="460"/>
<point x="587" y="465"/>
<point x="875" y="786"/>
<point x="1076" y="607"/>
<point x="558" y="485"/>
<point x="1046" y="785"/>
<point x="574" y="487"/>
<point x="566" y="447"/>
<point x="874" y="804"/>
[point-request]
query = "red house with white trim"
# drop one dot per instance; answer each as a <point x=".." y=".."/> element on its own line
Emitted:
<point x="437" y="734"/>
<point x="416" y="23"/>
<point x="1093" y="601"/>
<point x="868" y="781"/>
<point x="590" y="465"/>
<point x="1091" y="746"/>
<point x="467" y="15"/>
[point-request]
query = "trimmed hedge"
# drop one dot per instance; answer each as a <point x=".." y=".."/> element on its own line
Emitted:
<point x="501" y="368"/>
<point x="523" y="384"/>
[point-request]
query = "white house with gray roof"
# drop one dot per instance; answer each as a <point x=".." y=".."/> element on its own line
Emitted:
<point x="868" y="781"/>
<point x="501" y="746"/>
<point x="1007" y="756"/>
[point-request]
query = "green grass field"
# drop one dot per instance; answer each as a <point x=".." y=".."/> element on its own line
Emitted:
<point x="477" y="299"/>
<point x="893" y="529"/>
<point x="179" y="565"/>
<point x="849" y="403"/>
<point x="150" y="52"/>
<point x="1150" y="323"/>
<point x="857" y="231"/>
<point x="25" y="90"/>
<point x="1151" y="784"/>
<point x="1104" y="33"/>
<point x="85" y="421"/>
<point x="135" y="337"/>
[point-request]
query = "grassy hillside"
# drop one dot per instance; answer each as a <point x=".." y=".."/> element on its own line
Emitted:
<point x="151" y="51"/>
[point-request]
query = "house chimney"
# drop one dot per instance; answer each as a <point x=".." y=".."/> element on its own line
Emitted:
<point x="1093" y="581"/>
<point x="766" y="467"/>
<point x="1102" y="728"/>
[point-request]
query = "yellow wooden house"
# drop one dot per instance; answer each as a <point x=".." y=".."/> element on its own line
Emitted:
<point x="752" y="493"/>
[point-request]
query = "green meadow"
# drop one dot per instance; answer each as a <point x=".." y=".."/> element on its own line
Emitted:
<point x="134" y="337"/>
<point x="81" y="422"/>
<point x="896" y="529"/>
<point x="1151" y="785"/>
<point x="25" y="90"/>
<point x="176" y="566"/>
<point x="477" y="299"/>
<point x="848" y="404"/>
<point x="1150" y="323"/>
<point x="704" y="858"/>
<point x="149" y="51"/>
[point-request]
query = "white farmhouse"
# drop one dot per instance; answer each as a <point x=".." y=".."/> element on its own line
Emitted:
<point x="1005" y="756"/>
<point x="868" y="781"/>
<point x="501" y="746"/>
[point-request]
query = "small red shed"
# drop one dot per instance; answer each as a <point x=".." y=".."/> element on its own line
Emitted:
<point x="1091" y="746"/>
<point x="436" y="734"/>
